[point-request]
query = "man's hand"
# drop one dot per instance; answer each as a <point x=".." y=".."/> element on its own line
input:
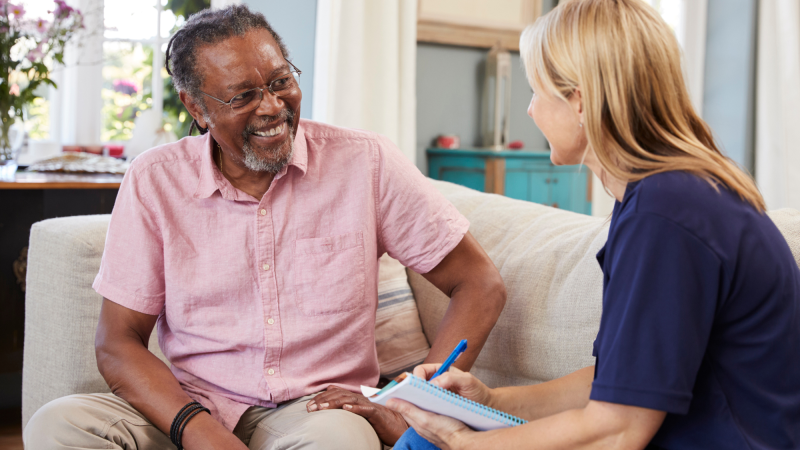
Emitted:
<point x="389" y="425"/>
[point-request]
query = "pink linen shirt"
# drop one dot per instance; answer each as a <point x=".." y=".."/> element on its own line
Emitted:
<point x="264" y="301"/>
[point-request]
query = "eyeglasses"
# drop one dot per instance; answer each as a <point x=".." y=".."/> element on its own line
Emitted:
<point x="249" y="100"/>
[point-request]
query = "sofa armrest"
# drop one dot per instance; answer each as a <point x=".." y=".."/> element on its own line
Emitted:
<point x="61" y="311"/>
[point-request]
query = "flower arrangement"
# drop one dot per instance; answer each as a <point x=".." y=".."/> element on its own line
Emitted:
<point x="27" y="47"/>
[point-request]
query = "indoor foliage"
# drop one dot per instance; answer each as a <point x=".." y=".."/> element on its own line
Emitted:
<point x="27" y="47"/>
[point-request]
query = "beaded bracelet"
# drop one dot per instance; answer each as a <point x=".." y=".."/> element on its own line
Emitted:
<point x="181" y="419"/>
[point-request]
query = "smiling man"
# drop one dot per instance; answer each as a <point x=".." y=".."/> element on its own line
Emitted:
<point x="254" y="249"/>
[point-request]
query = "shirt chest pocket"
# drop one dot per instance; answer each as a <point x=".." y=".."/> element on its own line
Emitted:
<point x="329" y="274"/>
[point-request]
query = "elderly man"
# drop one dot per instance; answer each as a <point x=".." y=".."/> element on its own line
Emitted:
<point x="255" y="248"/>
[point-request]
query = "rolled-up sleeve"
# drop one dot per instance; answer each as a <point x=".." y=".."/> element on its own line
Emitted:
<point x="417" y="225"/>
<point x="132" y="269"/>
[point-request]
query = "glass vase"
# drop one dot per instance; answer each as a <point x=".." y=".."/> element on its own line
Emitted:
<point x="9" y="152"/>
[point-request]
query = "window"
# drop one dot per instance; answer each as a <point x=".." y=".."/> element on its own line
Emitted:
<point x="114" y="73"/>
<point x="133" y="73"/>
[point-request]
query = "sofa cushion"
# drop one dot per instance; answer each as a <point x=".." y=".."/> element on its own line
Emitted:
<point x="546" y="257"/>
<point x="399" y="339"/>
<point x="788" y="222"/>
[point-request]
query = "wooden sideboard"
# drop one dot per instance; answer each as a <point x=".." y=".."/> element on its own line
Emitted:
<point x="523" y="175"/>
<point x="30" y="198"/>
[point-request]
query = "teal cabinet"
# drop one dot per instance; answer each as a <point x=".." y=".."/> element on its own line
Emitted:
<point x="523" y="175"/>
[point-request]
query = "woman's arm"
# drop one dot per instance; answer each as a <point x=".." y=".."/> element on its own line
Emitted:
<point x="598" y="425"/>
<point x="528" y="402"/>
<point x="545" y="399"/>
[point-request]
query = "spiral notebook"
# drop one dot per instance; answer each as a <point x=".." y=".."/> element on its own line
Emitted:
<point x="441" y="401"/>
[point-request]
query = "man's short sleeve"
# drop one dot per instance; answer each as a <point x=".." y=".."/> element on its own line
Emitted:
<point x="132" y="269"/>
<point x="659" y="302"/>
<point x="416" y="224"/>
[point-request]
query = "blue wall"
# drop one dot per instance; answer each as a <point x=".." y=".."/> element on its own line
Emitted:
<point x="296" y="22"/>
<point x="449" y="95"/>
<point x="729" y="83"/>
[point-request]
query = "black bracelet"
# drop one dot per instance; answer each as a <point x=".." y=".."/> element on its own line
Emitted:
<point x="179" y="418"/>
<point x="180" y="433"/>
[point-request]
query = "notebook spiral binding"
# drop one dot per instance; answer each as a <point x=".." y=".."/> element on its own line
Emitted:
<point x="469" y="405"/>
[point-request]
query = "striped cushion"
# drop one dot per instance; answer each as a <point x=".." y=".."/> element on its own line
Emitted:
<point x="399" y="338"/>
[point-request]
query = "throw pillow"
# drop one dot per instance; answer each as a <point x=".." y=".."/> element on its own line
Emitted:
<point x="399" y="338"/>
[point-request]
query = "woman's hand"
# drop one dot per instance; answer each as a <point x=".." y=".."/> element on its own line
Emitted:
<point x="462" y="383"/>
<point x="388" y="424"/>
<point x="441" y="431"/>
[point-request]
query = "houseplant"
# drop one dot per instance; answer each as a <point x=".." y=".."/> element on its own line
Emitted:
<point x="27" y="47"/>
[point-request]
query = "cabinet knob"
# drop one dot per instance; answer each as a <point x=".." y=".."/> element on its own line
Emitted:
<point x="555" y="205"/>
<point x="547" y="181"/>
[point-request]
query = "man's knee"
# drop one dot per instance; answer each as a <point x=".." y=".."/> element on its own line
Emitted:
<point x="52" y="422"/>
<point x="79" y="421"/>
<point x="340" y="430"/>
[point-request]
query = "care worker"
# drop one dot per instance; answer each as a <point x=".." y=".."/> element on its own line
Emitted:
<point x="699" y="339"/>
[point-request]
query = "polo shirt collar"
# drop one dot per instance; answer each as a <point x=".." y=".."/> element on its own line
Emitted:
<point x="212" y="180"/>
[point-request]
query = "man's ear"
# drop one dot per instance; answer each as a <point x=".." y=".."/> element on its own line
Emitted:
<point x="193" y="109"/>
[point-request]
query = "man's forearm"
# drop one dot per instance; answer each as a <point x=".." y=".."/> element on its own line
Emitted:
<point x="136" y="375"/>
<point x="477" y="297"/>
<point x="140" y="378"/>
<point x="473" y="312"/>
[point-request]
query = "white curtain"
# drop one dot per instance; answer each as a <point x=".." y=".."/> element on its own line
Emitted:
<point x="365" y="67"/>
<point x="778" y="103"/>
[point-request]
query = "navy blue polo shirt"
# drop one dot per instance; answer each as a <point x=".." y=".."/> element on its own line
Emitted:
<point x="701" y="317"/>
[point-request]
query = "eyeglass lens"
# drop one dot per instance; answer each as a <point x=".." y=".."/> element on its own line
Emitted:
<point x="250" y="99"/>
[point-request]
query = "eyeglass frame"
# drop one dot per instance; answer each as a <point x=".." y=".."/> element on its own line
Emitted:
<point x="294" y="69"/>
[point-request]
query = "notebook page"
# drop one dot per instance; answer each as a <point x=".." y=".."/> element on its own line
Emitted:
<point x="427" y="399"/>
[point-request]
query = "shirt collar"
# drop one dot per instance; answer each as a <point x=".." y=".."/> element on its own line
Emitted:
<point x="212" y="180"/>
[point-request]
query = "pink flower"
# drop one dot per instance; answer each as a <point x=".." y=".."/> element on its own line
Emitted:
<point x="14" y="89"/>
<point x="62" y="9"/>
<point x="42" y="25"/>
<point x="126" y="87"/>
<point x="36" y="53"/>
<point x="17" y="10"/>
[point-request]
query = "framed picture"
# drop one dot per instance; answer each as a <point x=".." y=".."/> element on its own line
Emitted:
<point x="475" y="23"/>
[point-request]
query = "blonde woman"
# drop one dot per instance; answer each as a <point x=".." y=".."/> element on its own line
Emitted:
<point x="699" y="340"/>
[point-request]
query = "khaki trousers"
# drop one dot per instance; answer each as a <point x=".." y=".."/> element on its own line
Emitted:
<point x="105" y="421"/>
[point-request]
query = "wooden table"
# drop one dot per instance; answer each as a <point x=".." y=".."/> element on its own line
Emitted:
<point x="40" y="180"/>
<point x="30" y="198"/>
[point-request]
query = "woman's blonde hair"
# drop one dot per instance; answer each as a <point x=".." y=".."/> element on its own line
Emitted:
<point x="637" y="113"/>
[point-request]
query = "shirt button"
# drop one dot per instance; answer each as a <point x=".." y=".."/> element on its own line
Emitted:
<point x="270" y="321"/>
<point x="265" y="266"/>
<point x="271" y="372"/>
<point x="263" y="212"/>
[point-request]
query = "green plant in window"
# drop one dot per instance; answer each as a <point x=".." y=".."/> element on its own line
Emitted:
<point x="175" y="114"/>
<point x="126" y="89"/>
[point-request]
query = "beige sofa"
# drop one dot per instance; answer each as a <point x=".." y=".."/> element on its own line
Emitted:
<point x="546" y="257"/>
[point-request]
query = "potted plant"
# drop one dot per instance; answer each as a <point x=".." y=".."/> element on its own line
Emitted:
<point x="27" y="48"/>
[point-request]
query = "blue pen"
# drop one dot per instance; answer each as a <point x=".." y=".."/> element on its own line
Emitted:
<point x="460" y="348"/>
